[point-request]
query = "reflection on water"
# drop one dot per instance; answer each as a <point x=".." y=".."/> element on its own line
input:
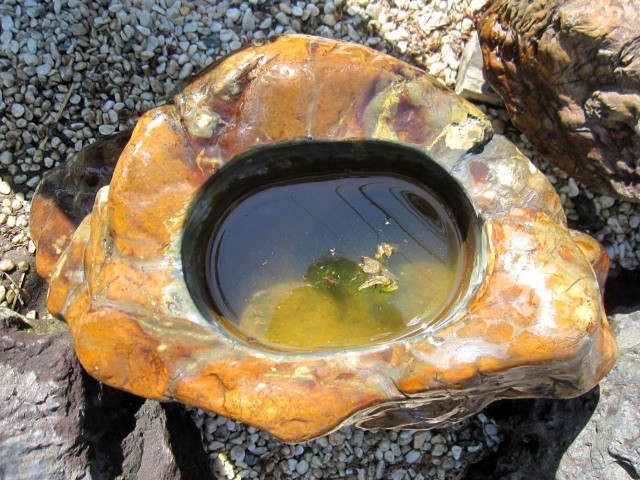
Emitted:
<point x="285" y="270"/>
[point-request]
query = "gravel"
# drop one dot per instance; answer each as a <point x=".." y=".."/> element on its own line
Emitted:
<point x="239" y="451"/>
<point x="72" y="71"/>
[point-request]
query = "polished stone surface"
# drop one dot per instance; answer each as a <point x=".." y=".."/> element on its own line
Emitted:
<point x="532" y="325"/>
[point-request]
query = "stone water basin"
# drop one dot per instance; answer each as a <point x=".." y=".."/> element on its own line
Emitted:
<point x="313" y="234"/>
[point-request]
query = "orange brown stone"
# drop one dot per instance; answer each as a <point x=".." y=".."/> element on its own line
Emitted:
<point x="534" y="327"/>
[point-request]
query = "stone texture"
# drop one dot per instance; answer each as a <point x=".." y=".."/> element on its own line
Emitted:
<point x="520" y="334"/>
<point x="41" y="404"/>
<point x="164" y="445"/>
<point x="569" y="73"/>
<point x="608" y="448"/>
<point x="58" y="423"/>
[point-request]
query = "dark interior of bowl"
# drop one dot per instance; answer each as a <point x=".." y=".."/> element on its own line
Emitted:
<point x="308" y="245"/>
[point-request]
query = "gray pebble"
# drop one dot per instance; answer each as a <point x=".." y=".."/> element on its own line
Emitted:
<point x="302" y="467"/>
<point x="237" y="453"/>
<point x="17" y="110"/>
<point x="143" y="30"/>
<point x="106" y="129"/>
<point x="30" y="59"/>
<point x="43" y="70"/>
<point x="438" y="450"/>
<point x="190" y="27"/>
<point x="413" y="456"/>
<point x="248" y="21"/>
<point x="226" y="36"/>
<point x="282" y="18"/>
<point x="491" y="429"/>
<point x="233" y="14"/>
<point x="185" y="71"/>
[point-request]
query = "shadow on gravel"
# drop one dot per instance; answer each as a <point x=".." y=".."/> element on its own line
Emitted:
<point x="538" y="432"/>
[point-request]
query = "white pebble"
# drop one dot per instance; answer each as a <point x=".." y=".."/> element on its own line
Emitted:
<point x="7" y="265"/>
<point x="5" y="188"/>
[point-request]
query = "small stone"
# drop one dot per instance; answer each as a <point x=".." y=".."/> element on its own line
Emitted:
<point x="226" y="36"/>
<point x="336" y="438"/>
<point x="78" y="29"/>
<point x="233" y="14"/>
<point x="282" y="18"/>
<point x="302" y="467"/>
<point x="106" y="129"/>
<point x="413" y="456"/>
<point x="3" y="293"/>
<point x="297" y="11"/>
<point x="143" y="30"/>
<point x="43" y="70"/>
<point x="419" y="438"/>
<point x="474" y="448"/>
<point x="185" y="71"/>
<point x="17" y="110"/>
<point x="286" y="8"/>
<point x="491" y="429"/>
<point x="606" y="202"/>
<point x="23" y="266"/>
<point x="329" y="20"/>
<point x="498" y="126"/>
<point x="397" y="474"/>
<point x="7" y="265"/>
<point x="190" y="27"/>
<point x="634" y="221"/>
<point x="438" y="450"/>
<point x="5" y="188"/>
<point x="237" y="453"/>
<point x="248" y="21"/>
<point x="456" y="451"/>
<point x="32" y="314"/>
<point x="6" y="157"/>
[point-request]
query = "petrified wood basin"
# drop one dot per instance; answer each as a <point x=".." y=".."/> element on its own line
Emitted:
<point x="165" y="295"/>
<point x="569" y="73"/>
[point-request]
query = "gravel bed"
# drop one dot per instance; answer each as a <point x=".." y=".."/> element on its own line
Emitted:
<point x="72" y="71"/>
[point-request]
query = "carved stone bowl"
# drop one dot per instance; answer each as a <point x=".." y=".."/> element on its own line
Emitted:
<point x="528" y="320"/>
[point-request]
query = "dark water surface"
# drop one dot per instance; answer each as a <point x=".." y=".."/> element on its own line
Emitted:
<point x="284" y="262"/>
